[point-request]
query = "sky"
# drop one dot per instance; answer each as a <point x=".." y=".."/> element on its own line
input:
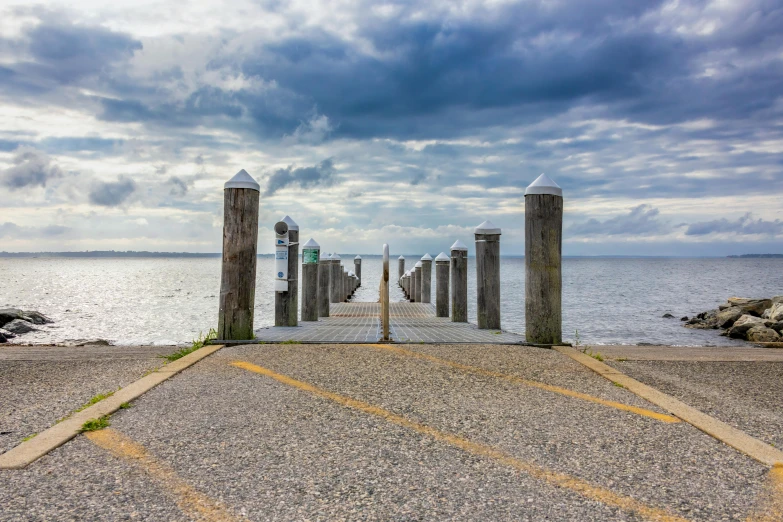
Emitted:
<point x="398" y="122"/>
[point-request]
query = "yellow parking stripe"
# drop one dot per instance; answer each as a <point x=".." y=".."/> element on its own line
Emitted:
<point x="518" y="380"/>
<point x="191" y="502"/>
<point x="552" y="477"/>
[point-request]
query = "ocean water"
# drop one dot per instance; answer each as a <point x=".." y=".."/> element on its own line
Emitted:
<point x="172" y="300"/>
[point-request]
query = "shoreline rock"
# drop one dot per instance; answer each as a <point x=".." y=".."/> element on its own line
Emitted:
<point x="14" y="321"/>
<point x="754" y="320"/>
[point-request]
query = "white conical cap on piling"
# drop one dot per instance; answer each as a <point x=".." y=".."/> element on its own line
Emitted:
<point x="417" y="265"/>
<point x="325" y="256"/>
<point x="335" y="257"/>
<point x="426" y="257"/>
<point x="357" y="258"/>
<point x="350" y="273"/>
<point x="312" y="244"/>
<point x="401" y="257"/>
<point x="242" y="180"/>
<point x="487" y="227"/>
<point x="459" y="245"/>
<point x="544" y="185"/>
<point x="442" y="257"/>
<point x="290" y="222"/>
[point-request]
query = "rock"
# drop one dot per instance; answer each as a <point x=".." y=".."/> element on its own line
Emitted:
<point x="727" y="317"/>
<point x="684" y="318"/>
<point x="777" y="299"/>
<point x="19" y="326"/>
<point x="753" y="307"/>
<point x="743" y="324"/>
<point x="778" y="327"/>
<point x="775" y="312"/>
<point x="12" y="314"/>
<point x="723" y="306"/>
<point x="668" y="316"/>
<point x="3" y="339"/>
<point x="7" y="334"/>
<point x="703" y="321"/>
<point x="94" y="342"/>
<point x="762" y="334"/>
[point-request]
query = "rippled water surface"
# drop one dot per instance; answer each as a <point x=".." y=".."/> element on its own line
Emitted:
<point x="171" y="300"/>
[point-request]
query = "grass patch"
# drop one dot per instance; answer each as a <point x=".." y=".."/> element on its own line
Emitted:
<point x="126" y="406"/>
<point x="197" y="343"/>
<point x="291" y="341"/>
<point x="96" y="424"/>
<point x="29" y="437"/>
<point x="496" y="333"/>
<point x="618" y="385"/>
<point x="98" y="398"/>
<point x="622" y="359"/>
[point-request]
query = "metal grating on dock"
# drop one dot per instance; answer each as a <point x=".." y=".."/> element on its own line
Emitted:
<point x="409" y="323"/>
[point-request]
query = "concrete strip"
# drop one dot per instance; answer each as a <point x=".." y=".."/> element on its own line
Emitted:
<point x="735" y="438"/>
<point x="191" y="502"/>
<point x="770" y="503"/>
<point x="562" y="480"/>
<point x="527" y="382"/>
<point x="690" y="353"/>
<point x="60" y="433"/>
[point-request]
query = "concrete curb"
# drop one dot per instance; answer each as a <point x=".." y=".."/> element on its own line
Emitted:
<point x="54" y="437"/>
<point x="735" y="438"/>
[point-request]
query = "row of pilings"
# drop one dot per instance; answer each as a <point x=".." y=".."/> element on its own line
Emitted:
<point x="325" y="276"/>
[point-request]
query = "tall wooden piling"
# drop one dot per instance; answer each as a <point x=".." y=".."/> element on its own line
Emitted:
<point x="357" y="270"/>
<point x="310" y="253"/>
<point x="336" y="290"/>
<point x="488" y="275"/>
<point x="400" y="267"/>
<point x="324" y="278"/>
<point x="426" y="278"/>
<point x="384" y="295"/>
<point x="407" y="284"/>
<point x="442" y="285"/>
<point x="346" y="284"/>
<point x="417" y="284"/>
<point x="240" y="247"/>
<point x="287" y="303"/>
<point x="459" y="282"/>
<point x="543" y="259"/>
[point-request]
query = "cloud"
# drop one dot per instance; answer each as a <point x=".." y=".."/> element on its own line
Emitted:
<point x="12" y="230"/>
<point x="745" y="225"/>
<point x="641" y="220"/>
<point x="177" y="187"/>
<point x="320" y="174"/>
<point x="112" y="193"/>
<point x="31" y="168"/>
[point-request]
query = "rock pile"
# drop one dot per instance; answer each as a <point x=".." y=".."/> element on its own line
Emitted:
<point x="14" y="321"/>
<point x="755" y="320"/>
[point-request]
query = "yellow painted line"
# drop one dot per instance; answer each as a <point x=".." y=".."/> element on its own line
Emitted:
<point x="190" y="501"/>
<point x="518" y="380"/>
<point x="770" y="505"/>
<point x="735" y="438"/>
<point x="554" y="478"/>
<point x="57" y="435"/>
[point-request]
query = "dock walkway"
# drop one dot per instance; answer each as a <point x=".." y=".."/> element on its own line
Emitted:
<point x="408" y="323"/>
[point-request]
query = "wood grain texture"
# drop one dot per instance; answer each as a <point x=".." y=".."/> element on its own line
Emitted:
<point x="357" y="269"/>
<point x="441" y="288"/>
<point x="310" y="292"/>
<point x="488" y="281"/>
<point x="336" y="282"/>
<point x="287" y="303"/>
<point x="543" y="274"/>
<point x="238" y="272"/>
<point x="426" y="281"/>
<point x="417" y="286"/>
<point x="324" y="279"/>
<point x="459" y="286"/>
<point x="414" y="284"/>
<point x="400" y="268"/>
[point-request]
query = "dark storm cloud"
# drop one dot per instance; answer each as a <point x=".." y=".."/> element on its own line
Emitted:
<point x="112" y="193"/>
<point x="320" y="174"/>
<point x="745" y="225"/>
<point x="31" y="168"/>
<point x="641" y="220"/>
<point x="56" y="53"/>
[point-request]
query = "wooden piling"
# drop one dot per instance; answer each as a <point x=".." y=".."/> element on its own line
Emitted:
<point x="346" y="288"/>
<point x="459" y="282"/>
<point x="324" y="278"/>
<point x="415" y="278"/>
<point x="336" y="290"/>
<point x="240" y="248"/>
<point x="488" y="276"/>
<point x="310" y="253"/>
<point x="287" y="303"/>
<point x="419" y="277"/>
<point x="543" y="260"/>
<point x="357" y="270"/>
<point x="442" y="285"/>
<point x="400" y="267"/>
<point x="426" y="278"/>
<point x="384" y="295"/>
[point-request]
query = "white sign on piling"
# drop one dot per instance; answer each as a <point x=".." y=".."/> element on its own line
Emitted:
<point x="281" y="256"/>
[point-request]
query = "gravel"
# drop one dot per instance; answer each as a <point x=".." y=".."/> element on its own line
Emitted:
<point x="746" y="395"/>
